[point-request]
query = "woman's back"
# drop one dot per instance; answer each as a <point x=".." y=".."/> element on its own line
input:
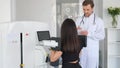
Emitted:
<point x="70" y="45"/>
<point x="69" y="57"/>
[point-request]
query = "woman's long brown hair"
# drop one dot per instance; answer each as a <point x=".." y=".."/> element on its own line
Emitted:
<point x="69" y="36"/>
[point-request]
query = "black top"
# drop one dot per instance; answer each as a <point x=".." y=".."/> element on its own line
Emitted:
<point x="69" y="57"/>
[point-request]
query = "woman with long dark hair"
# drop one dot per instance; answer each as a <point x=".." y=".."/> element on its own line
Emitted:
<point x="70" y="46"/>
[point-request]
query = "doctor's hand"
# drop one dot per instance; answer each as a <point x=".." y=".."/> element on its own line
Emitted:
<point x="84" y="32"/>
<point x="79" y="28"/>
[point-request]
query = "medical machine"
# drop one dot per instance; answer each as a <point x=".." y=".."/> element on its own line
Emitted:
<point x="34" y="54"/>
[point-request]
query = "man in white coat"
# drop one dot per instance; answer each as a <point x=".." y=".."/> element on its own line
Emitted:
<point x="93" y="27"/>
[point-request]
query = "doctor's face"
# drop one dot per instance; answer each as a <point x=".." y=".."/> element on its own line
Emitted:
<point x="87" y="10"/>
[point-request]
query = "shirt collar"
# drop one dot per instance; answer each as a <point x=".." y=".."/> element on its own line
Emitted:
<point x="92" y="15"/>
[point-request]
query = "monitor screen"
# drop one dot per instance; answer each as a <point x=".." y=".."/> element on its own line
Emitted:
<point x="43" y="35"/>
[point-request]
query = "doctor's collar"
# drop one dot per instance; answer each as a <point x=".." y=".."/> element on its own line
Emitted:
<point x="91" y="15"/>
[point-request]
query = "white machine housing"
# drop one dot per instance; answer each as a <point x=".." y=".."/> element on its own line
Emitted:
<point x="33" y="55"/>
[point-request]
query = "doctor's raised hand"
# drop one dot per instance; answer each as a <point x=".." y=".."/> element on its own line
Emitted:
<point x="84" y="32"/>
<point x="81" y="31"/>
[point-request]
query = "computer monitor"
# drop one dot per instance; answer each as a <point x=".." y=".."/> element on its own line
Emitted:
<point x="43" y="35"/>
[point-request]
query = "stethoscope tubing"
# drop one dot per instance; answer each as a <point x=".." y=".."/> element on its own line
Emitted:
<point x="83" y="21"/>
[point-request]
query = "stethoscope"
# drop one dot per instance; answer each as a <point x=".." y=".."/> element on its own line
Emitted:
<point x="83" y="21"/>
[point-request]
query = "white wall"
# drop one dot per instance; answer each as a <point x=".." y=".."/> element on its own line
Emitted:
<point x="5" y="10"/>
<point x="5" y="15"/>
<point x="1" y="51"/>
<point x="37" y="10"/>
<point x="107" y="18"/>
<point x="98" y="7"/>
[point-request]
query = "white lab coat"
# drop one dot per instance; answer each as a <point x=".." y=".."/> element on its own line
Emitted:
<point x="90" y="55"/>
